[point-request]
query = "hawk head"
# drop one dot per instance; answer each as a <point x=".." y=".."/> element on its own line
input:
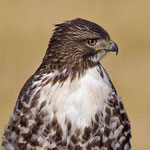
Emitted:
<point x="76" y="45"/>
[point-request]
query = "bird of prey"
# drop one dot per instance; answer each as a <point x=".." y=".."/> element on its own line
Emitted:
<point x="70" y="103"/>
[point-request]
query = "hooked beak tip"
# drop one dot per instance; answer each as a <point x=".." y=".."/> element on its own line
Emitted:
<point x="113" y="48"/>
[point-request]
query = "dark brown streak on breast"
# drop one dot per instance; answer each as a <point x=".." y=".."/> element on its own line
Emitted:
<point x="102" y="75"/>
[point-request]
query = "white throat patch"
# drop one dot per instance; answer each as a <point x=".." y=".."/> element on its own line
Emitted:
<point x="79" y="100"/>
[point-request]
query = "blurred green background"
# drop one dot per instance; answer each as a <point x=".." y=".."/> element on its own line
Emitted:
<point x="25" y="30"/>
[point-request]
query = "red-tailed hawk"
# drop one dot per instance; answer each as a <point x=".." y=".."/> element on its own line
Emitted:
<point x="70" y="103"/>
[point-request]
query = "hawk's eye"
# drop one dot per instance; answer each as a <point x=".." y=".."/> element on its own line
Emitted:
<point x="92" y="42"/>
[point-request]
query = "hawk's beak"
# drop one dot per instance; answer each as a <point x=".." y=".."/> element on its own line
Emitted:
<point x="109" y="46"/>
<point x="112" y="47"/>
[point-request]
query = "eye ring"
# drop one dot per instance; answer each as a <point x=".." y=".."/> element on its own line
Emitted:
<point x="92" y="42"/>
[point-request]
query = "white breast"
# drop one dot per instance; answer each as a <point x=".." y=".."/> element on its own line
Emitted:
<point x="79" y="100"/>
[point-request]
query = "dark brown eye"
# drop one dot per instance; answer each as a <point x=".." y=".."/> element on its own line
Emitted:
<point x="92" y="42"/>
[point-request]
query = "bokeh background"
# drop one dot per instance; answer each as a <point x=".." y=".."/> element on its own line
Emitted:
<point x="25" y="30"/>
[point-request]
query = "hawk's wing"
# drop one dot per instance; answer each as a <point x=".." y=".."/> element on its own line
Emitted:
<point x="83" y="113"/>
